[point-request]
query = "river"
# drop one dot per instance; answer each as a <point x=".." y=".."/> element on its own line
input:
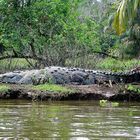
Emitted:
<point x="69" y="120"/>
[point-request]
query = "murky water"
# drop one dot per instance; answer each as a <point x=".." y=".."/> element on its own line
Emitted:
<point x="68" y="121"/>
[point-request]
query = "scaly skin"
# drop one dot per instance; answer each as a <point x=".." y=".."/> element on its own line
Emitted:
<point x="64" y="75"/>
<point x="118" y="77"/>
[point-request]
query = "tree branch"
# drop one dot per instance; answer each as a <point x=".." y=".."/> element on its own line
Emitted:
<point x="103" y="53"/>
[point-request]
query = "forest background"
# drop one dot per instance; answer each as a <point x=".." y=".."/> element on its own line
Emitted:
<point x="73" y="33"/>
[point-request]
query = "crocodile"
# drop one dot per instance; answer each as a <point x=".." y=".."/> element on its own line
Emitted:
<point x="65" y="75"/>
<point x="118" y="77"/>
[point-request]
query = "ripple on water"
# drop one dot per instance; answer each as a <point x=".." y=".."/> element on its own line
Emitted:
<point x="68" y="120"/>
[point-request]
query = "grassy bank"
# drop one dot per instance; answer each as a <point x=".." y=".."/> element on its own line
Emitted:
<point x="71" y="92"/>
<point x="44" y="87"/>
<point x="53" y="88"/>
<point x="133" y="88"/>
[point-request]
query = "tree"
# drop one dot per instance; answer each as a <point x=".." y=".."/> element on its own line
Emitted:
<point x="47" y="30"/>
<point x="127" y="11"/>
<point x="127" y="25"/>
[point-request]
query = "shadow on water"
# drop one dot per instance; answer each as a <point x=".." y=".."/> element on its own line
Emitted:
<point x="74" y="120"/>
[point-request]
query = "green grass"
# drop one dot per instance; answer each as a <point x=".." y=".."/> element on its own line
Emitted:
<point x="53" y="88"/>
<point x="14" y="64"/>
<point x="133" y="88"/>
<point x="91" y="63"/>
<point x="4" y="88"/>
<point x="108" y="63"/>
<point x="117" y="65"/>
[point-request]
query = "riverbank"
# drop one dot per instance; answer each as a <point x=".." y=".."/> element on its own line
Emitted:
<point x="70" y="92"/>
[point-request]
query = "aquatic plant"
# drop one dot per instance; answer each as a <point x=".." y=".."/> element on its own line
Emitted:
<point x="106" y="103"/>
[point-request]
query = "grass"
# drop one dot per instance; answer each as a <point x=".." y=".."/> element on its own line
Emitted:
<point x="117" y="65"/>
<point x="53" y="88"/>
<point x="133" y="88"/>
<point x="4" y="88"/>
<point x="14" y="64"/>
<point x="91" y="63"/>
<point x="104" y="63"/>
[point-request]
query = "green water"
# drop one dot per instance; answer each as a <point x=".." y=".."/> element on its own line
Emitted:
<point x="68" y="121"/>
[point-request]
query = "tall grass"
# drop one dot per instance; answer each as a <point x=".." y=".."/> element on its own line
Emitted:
<point x="117" y="65"/>
<point x="88" y="62"/>
<point x="14" y="64"/>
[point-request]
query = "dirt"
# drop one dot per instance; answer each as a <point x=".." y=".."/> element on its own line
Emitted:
<point x="82" y="92"/>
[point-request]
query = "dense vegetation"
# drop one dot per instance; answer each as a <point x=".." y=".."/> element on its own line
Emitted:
<point x="77" y="33"/>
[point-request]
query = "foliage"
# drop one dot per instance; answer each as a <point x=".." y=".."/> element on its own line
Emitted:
<point x="133" y="88"/>
<point x="15" y="64"/>
<point x="117" y="65"/>
<point x="127" y="25"/>
<point x="4" y="88"/>
<point x="50" y="29"/>
<point x="65" y="33"/>
<point x="53" y="88"/>
<point x="126" y="13"/>
<point x="101" y="11"/>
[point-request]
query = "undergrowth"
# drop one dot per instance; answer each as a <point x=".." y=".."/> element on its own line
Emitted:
<point x="14" y="64"/>
<point x="133" y="88"/>
<point x="4" y="88"/>
<point x="91" y="63"/>
<point x="117" y="65"/>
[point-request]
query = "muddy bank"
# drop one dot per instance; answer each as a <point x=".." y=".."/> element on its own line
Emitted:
<point x="82" y="92"/>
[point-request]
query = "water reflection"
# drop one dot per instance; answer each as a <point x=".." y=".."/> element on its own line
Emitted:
<point x="68" y="120"/>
